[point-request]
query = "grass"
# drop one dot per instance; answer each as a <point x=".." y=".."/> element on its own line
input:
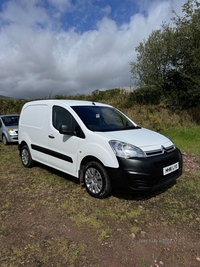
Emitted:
<point x="32" y="199"/>
<point x="43" y="251"/>
<point x="188" y="139"/>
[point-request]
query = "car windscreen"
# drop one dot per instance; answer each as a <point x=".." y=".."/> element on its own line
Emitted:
<point x="11" y="120"/>
<point x="103" y="119"/>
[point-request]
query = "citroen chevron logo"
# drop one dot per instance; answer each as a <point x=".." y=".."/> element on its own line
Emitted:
<point x="163" y="149"/>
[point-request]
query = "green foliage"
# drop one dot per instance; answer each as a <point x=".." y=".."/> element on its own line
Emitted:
<point x="11" y="105"/>
<point x="183" y="79"/>
<point x="188" y="140"/>
<point x="144" y="96"/>
<point x="105" y="95"/>
<point x="77" y="97"/>
<point x="152" y="61"/>
<point x="136" y="105"/>
<point x="170" y="59"/>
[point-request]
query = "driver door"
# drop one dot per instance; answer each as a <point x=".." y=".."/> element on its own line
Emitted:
<point x="63" y="149"/>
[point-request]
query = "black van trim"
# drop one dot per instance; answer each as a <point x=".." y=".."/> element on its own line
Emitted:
<point x="52" y="153"/>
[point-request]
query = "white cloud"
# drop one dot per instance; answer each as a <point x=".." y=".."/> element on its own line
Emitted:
<point x="36" y="60"/>
<point x="24" y="13"/>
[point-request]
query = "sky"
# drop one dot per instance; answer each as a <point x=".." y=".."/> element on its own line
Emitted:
<point x="70" y="47"/>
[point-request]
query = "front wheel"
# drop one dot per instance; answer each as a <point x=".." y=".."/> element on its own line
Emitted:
<point x="26" y="157"/>
<point x="96" y="180"/>
<point x="4" y="140"/>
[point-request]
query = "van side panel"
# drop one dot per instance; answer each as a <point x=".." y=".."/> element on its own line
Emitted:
<point x="34" y="130"/>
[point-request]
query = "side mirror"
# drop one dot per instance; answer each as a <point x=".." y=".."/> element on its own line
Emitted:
<point x="64" y="129"/>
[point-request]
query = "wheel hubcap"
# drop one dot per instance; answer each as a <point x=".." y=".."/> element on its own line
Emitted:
<point x="93" y="180"/>
<point x="25" y="156"/>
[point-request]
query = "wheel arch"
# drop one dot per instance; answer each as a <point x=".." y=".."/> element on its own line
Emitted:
<point x="87" y="159"/>
<point x="82" y="165"/>
<point x="20" y="145"/>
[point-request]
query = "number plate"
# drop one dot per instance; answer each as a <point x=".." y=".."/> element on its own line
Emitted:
<point x="170" y="168"/>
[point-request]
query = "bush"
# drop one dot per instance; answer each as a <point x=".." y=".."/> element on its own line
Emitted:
<point x="145" y="96"/>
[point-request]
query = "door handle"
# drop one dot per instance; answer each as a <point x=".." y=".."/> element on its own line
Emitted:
<point x="51" y="136"/>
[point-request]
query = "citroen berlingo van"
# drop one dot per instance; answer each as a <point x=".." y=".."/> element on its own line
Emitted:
<point x="98" y="144"/>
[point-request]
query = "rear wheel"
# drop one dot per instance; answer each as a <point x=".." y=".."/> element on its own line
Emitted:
<point x="4" y="140"/>
<point x="26" y="157"/>
<point x="96" y="180"/>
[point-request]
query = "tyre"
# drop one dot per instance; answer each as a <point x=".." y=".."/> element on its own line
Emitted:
<point x="96" y="180"/>
<point x="26" y="157"/>
<point x="4" y="140"/>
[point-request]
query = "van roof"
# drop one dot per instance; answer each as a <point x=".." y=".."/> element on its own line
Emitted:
<point x="8" y="115"/>
<point x="68" y="102"/>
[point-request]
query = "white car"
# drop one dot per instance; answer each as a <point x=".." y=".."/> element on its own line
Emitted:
<point x="9" y="128"/>
<point x="98" y="144"/>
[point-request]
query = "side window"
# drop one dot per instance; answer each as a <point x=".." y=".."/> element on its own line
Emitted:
<point x="62" y="116"/>
<point x="0" y="123"/>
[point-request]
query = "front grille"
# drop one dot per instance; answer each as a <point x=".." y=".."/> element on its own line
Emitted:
<point x="160" y="151"/>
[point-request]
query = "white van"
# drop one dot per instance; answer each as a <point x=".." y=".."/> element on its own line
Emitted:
<point x="98" y="144"/>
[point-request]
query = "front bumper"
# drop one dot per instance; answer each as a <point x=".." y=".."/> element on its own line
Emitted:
<point x="145" y="174"/>
<point x="12" y="138"/>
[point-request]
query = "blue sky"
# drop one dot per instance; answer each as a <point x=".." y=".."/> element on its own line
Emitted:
<point x="73" y="47"/>
<point x="86" y="16"/>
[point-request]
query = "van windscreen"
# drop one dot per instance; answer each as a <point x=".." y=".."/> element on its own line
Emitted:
<point x="103" y="119"/>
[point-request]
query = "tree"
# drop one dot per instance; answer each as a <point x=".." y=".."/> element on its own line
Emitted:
<point x="152" y="59"/>
<point x="187" y="58"/>
<point x="170" y="58"/>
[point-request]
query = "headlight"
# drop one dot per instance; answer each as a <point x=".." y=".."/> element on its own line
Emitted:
<point x="11" y="131"/>
<point x="125" y="150"/>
